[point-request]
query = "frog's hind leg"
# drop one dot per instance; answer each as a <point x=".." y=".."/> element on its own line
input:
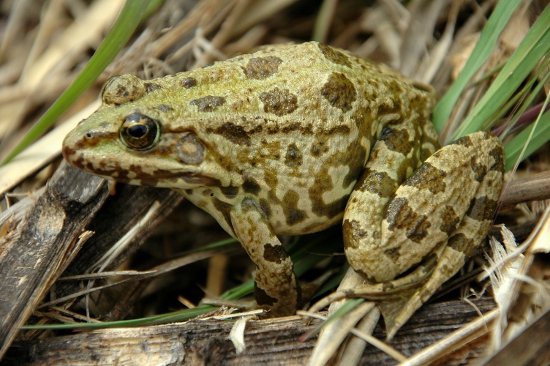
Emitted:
<point x="484" y="157"/>
<point x="443" y="210"/>
<point x="396" y="154"/>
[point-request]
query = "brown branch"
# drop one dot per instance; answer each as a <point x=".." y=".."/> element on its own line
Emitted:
<point x="268" y="342"/>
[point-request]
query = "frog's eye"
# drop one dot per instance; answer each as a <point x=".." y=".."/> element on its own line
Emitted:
<point x="190" y="149"/>
<point x="139" y="132"/>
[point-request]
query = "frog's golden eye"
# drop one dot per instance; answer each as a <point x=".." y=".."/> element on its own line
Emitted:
<point x="139" y="132"/>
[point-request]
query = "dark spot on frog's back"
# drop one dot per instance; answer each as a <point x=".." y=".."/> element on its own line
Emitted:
<point x="339" y="91"/>
<point x="279" y="102"/>
<point x="338" y="130"/>
<point x="149" y="87"/>
<point x="262" y="67"/>
<point x="164" y="108"/>
<point x="208" y="103"/>
<point x="319" y="147"/>
<point x="334" y="56"/>
<point x="293" y="156"/>
<point x="274" y="253"/>
<point x="233" y="133"/>
<point x="188" y="82"/>
<point x="295" y="126"/>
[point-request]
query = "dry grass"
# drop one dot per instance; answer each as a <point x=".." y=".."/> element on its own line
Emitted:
<point x="45" y="46"/>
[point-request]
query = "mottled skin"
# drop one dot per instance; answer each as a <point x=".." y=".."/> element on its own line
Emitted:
<point x="275" y="142"/>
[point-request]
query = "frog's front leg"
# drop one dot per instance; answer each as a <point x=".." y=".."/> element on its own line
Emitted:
<point x="441" y="212"/>
<point x="276" y="287"/>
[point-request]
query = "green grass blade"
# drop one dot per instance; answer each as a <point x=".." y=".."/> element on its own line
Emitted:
<point x="529" y="100"/>
<point x="536" y="139"/>
<point x="486" y="43"/>
<point x="178" y="316"/>
<point x="129" y="18"/>
<point x="532" y="49"/>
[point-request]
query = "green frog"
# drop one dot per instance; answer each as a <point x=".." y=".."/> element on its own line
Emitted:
<point x="294" y="139"/>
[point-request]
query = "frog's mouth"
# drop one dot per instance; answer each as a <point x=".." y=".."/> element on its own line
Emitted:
<point x="157" y="178"/>
<point x="189" y="181"/>
<point x="135" y="175"/>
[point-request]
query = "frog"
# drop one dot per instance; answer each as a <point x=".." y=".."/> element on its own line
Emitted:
<point x="294" y="139"/>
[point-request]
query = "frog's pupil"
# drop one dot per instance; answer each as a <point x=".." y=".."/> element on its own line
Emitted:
<point x="137" y="131"/>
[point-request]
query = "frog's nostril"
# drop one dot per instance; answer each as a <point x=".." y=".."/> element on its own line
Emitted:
<point x="88" y="135"/>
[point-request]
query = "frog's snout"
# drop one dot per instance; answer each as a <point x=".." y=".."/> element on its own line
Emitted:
<point x="68" y="147"/>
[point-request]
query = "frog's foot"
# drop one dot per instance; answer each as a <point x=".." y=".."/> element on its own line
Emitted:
<point x="275" y="288"/>
<point x="445" y="208"/>
<point x="390" y="291"/>
<point x="397" y="312"/>
<point x="459" y="246"/>
<point x="399" y="299"/>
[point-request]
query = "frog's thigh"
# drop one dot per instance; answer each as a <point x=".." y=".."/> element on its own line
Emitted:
<point x="453" y="193"/>
<point x="472" y="229"/>
<point x="394" y="156"/>
<point x="275" y="282"/>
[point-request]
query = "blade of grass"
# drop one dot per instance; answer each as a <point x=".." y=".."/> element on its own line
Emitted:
<point x="323" y="20"/>
<point x="528" y="101"/>
<point x="539" y="136"/>
<point x="129" y="18"/>
<point x="348" y="306"/>
<point x="531" y="50"/>
<point x="157" y="319"/>
<point x="486" y="43"/>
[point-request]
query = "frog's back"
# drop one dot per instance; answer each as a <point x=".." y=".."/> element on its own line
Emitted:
<point x="290" y="126"/>
<point x="306" y="117"/>
<point x="311" y="84"/>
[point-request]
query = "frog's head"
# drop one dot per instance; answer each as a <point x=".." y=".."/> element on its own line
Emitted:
<point x="129" y="141"/>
